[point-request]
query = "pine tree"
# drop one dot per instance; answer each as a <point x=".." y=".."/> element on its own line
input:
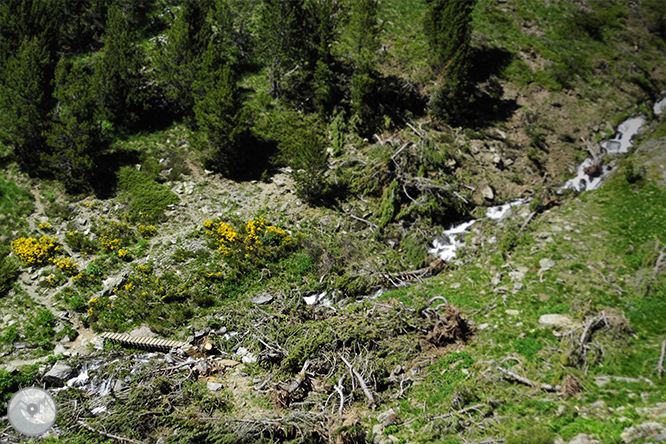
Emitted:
<point x="223" y="125"/>
<point x="118" y="76"/>
<point x="25" y="102"/>
<point x="177" y="62"/>
<point x="281" y="37"/>
<point x="76" y="138"/>
<point x="448" y="28"/>
<point x="362" y="35"/>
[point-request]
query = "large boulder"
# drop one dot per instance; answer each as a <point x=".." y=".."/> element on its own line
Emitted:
<point x="59" y="374"/>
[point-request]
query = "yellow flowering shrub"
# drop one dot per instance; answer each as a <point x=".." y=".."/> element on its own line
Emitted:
<point x="113" y="234"/>
<point x="223" y="234"/>
<point x="66" y="265"/>
<point x="46" y="226"/>
<point x="147" y="231"/>
<point x="258" y="239"/>
<point x="35" y="251"/>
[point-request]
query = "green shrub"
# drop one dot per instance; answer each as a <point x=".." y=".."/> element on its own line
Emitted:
<point x="9" y="269"/>
<point x="533" y="435"/>
<point x="147" y="198"/>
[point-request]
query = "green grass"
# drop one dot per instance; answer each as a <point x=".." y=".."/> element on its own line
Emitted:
<point x="16" y="202"/>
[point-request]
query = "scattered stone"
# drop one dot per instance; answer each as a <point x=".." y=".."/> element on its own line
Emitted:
<point x="557" y="320"/>
<point x="598" y="405"/>
<point x="455" y="285"/>
<point x="544" y="297"/>
<point x="198" y="334"/>
<point x="642" y="432"/>
<point x="228" y="363"/>
<point x="214" y="386"/>
<point x="546" y="264"/>
<point x="261" y="299"/>
<point x="109" y="284"/>
<point x="249" y="359"/>
<point x="377" y="430"/>
<point x="385" y="415"/>
<point x="487" y="192"/>
<point x="502" y="290"/>
<point x="495" y="281"/>
<point x="512" y="312"/>
<point x="659" y="411"/>
<point x="221" y="331"/>
<point x="59" y="374"/>
<point x="517" y="287"/>
<point x="144" y="332"/>
<point x="61" y="350"/>
<point x="584" y="439"/>
<point x="517" y="275"/>
<point x="484" y="326"/>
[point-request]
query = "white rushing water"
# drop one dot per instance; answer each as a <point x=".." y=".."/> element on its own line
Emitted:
<point x="446" y="245"/>
<point x="622" y="140"/>
<point x="659" y="106"/>
<point x="589" y="176"/>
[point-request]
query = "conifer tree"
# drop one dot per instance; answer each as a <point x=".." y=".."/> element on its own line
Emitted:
<point x="448" y="27"/>
<point x="177" y="62"/>
<point x="223" y="125"/>
<point x="118" y="76"/>
<point x="25" y="102"/>
<point x="281" y="38"/>
<point x="76" y="138"/>
<point x="362" y="35"/>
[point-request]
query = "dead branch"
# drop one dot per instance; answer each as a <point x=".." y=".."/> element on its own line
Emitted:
<point x="590" y="325"/>
<point x="595" y="153"/>
<point x="364" y="221"/>
<point x="414" y="129"/>
<point x="400" y="150"/>
<point x="108" y="435"/>
<point x="361" y="382"/>
<point x="340" y="389"/>
<point x="527" y="221"/>
<point x="475" y="407"/>
<point x="508" y="374"/>
<point x="660" y="367"/>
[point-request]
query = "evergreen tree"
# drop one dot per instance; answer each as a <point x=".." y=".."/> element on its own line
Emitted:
<point x="118" y="76"/>
<point x="77" y="136"/>
<point x="281" y="37"/>
<point x="362" y="35"/>
<point x="177" y="62"/>
<point x="325" y="16"/>
<point x="223" y="124"/>
<point x="25" y="102"/>
<point x="448" y="28"/>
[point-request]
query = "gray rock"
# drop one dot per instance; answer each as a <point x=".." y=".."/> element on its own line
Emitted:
<point x="198" y="334"/>
<point x="249" y="359"/>
<point x="261" y="299"/>
<point x="214" y="386"/>
<point x="546" y="264"/>
<point x="113" y="282"/>
<point x="495" y="281"/>
<point x="144" y="332"/>
<point x="384" y="415"/>
<point x="598" y="405"/>
<point x="584" y="439"/>
<point x="502" y="290"/>
<point x="455" y="285"/>
<point x="487" y="192"/>
<point x="557" y="320"/>
<point x="512" y="312"/>
<point x="517" y="287"/>
<point x="516" y="275"/>
<point x="377" y="430"/>
<point x="59" y="374"/>
<point x="642" y="432"/>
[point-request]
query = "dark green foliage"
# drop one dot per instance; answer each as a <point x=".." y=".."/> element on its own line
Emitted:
<point x="281" y="36"/>
<point x="362" y="34"/>
<point x="15" y="203"/>
<point x="177" y="62"/>
<point x="10" y="383"/>
<point x="25" y="102"/>
<point x="224" y="123"/>
<point x="533" y="435"/>
<point x="448" y="28"/>
<point x="390" y="204"/>
<point x="118" y="78"/>
<point x="77" y="137"/>
<point x="302" y="149"/>
<point x="9" y="269"/>
<point x="148" y="199"/>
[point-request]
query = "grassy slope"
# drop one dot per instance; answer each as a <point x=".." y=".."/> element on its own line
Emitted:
<point x="602" y="244"/>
